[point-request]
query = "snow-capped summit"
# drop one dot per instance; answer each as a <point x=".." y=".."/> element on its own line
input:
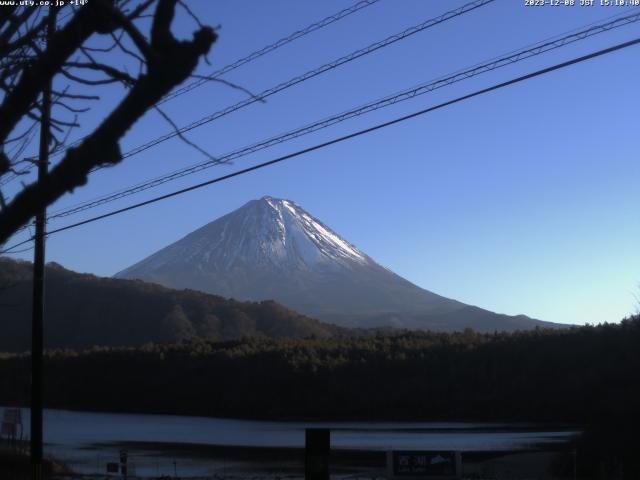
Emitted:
<point x="273" y="249"/>
<point x="288" y="233"/>
<point x="266" y="233"/>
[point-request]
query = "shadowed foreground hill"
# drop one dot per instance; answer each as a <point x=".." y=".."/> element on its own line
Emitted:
<point x="84" y="310"/>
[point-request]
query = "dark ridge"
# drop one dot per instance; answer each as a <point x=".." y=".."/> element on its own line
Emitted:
<point x="84" y="310"/>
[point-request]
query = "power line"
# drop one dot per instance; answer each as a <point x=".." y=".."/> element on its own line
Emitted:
<point x="241" y="61"/>
<point x="312" y="73"/>
<point x="269" y="48"/>
<point x="263" y="51"/>
<point x="358" y="133"/>
<point x="10" y="178"/>
<point x="422" y="89"/>
<point x="299" y="79"/>
<point x="11" y="251"/>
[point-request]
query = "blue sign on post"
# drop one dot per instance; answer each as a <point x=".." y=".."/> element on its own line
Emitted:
<point x="424" y="464"/>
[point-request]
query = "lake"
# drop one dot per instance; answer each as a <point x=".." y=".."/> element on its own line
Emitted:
<point x="168" y="444"/>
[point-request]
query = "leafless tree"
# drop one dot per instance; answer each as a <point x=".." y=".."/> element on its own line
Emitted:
<point x="86" y="49"/>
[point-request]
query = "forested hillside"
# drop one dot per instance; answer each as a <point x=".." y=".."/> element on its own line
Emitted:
<point x="83" y="310"/>
<point x="553" y="375"/>
<point x="586" y="375"/>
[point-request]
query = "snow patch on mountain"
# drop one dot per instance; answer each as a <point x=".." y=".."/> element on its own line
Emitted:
<point x="269" y="231"/>
<point x="273" y="249"/>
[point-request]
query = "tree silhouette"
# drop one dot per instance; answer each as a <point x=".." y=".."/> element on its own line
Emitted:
<point x="83" y="51"/>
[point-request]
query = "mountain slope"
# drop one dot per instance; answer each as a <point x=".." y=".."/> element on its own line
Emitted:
<point x="273" y="249"/>
<point x="84" y="310"/>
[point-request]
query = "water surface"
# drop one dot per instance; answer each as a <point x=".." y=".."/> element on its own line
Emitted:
<point x="88" y="440"/>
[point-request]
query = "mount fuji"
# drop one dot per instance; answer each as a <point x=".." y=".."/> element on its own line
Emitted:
<point x="273" y="249"/>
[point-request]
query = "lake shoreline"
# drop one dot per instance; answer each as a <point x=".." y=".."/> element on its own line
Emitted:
<point x="159" y="444"/>
<point x="246" y="452"/>
<point x="249" y="460"/>
<point x="531" y="425"/>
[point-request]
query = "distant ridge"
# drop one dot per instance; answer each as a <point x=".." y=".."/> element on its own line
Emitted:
<point x="83" y="310"/>
<point x="273" y="249"/>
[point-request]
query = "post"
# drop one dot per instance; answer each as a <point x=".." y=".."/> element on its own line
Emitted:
<point x="316" y="453"/>
<point x="37" y="319"/>
<point x="124" y="467"/>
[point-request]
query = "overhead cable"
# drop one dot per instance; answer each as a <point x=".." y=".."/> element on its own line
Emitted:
<point x="387" y="101"/>
<point x="334" y="141"/>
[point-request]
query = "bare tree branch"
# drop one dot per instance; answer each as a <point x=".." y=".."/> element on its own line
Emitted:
<point x="235" y="86"/>
<point x="136" y="36"/>
<point x="17" y="102"/>
<point x="181" y="135"/>
<point x="86" y="81"/>
<point x="112" y="72"/>
<point x="168" y="63"/>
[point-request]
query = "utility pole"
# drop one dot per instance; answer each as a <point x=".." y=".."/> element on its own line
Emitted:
<point x="37" y="343"/>
<point x="317" y="448"/>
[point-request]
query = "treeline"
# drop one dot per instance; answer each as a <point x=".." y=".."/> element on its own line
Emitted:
<point x="574" y="375"/>
<point x="84" y="310"/>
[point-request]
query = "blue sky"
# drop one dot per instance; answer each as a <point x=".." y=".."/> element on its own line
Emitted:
<point x="524" y="200"/>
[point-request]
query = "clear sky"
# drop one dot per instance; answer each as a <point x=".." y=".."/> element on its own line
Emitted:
<point x="524" y="200"/>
